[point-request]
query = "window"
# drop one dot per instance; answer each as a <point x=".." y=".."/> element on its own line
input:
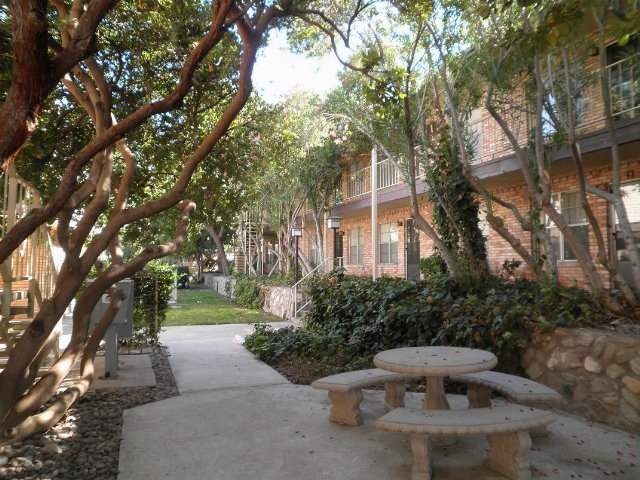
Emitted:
<point x="623" y="64"/>
<point x="356" y="246"/>
<point x="475" y="134"/>
<point x="631" y="199"/>
<point x="570" y="206"/>
<point x="388" y="245"/>
<point x="556" y="106"/>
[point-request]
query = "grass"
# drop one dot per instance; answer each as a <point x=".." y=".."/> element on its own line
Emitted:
<point x="202" y="307"/>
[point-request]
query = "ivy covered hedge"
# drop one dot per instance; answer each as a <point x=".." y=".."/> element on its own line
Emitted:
<point x="152" y="291"/>
<point x="353" y="318"/>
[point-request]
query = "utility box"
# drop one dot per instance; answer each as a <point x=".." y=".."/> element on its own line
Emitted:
<point x="121" y="326"/>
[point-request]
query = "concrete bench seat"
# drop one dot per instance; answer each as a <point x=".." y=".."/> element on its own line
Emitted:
<point x="345" y="392"/>
<point x="506" y="428"/>
<point x="481" y="385"/>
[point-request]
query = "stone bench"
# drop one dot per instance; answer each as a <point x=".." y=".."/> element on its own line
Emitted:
<point x="345" y="392"/>
<point x="481" y="385"/>
<point x="506" y="428"/>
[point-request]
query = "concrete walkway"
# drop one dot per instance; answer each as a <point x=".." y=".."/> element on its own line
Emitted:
<point x="237" y="419"/>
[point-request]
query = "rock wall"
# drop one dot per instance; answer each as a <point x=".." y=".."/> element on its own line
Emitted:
<point x="278" y="300"/>
<point x="597" y="371"/>
<point x="218" y="283"/>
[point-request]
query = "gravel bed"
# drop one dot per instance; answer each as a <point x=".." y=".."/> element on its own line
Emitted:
<point x="85" y="444"/>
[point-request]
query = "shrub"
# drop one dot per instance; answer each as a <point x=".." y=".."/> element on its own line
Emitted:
<point x="325" y="354"/>
<point x="152" y="291"/>
<point x="433" y="267"/>
<point x="375" y="315"/>
<point x="247" y="293"/>
<point x="350" y="319"/>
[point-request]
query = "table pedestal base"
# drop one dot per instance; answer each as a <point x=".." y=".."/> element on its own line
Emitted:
<point x="436" y="399"/>
<point x="434" y="396"/>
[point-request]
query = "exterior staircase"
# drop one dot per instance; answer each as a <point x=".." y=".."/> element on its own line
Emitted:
<point x="29" y="274"/>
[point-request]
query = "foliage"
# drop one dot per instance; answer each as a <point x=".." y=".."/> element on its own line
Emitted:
<point x="326" y="353"/>
<point x="503" y="316"/>
<point x="455" y="206"/>
<point x="152" y="291"/>
<point x="247" y="292"/>
<point x="5" y="51"/>
<point x="354" y="318"/>
<point x="432" y="267"/>
<point x="302" y="153"/>
<point x="372" y="315"/>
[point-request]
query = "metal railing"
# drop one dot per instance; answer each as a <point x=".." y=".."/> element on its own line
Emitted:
<point x="299" y="302"/>
<point x="359" y="183"/>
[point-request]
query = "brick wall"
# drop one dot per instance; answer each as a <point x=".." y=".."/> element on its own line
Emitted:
<point x="498" y="249"/>
<point x="569" y="272"/>
<point x="384" y="269"/>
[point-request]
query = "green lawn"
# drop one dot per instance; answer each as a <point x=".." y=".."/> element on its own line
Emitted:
<point x="202" y="307"/>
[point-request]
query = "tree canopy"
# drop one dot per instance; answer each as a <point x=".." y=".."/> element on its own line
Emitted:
<point x="113" y="109"/>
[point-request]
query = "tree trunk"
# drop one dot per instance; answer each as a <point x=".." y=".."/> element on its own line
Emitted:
<point x="216" y="236"/>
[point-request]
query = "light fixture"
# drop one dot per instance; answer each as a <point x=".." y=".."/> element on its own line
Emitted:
<point x="334" y="222"/>
<point x="296" y="232"/>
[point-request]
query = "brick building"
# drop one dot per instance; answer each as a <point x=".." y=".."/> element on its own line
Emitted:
<point x="399" y="246"/>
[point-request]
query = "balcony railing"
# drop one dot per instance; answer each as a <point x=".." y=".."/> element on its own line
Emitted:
<point x="624" y="79"/>
<point x="359" y="183"/>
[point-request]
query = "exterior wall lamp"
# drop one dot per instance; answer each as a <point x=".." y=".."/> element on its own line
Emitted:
<point x="296" y="232"/>
<point x="334" y="224"/>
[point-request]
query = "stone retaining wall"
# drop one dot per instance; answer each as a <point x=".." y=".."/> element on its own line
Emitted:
<point x="218" y="283"/>
<point x="597" y="371"/>
<point x="278" y="300"/>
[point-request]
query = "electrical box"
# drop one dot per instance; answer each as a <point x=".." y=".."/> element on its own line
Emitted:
<point x="123" y="321"/>
<point x="121" y="326"/>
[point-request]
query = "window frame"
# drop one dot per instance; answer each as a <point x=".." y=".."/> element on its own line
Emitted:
<point x="623" y="63"/>
<point x="633" y="214"/>
<point x="359" y="245"/>
<point x="391" y="241"/>
<point x="563" y="251"/>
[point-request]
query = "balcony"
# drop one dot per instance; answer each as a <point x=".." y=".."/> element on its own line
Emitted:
<point x="359" y="183"/>
<point x="624" y="78"/>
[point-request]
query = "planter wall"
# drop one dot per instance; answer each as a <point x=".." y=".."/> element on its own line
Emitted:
<point x="218" y="283"/>
<point x="278" y="300"/>
<point x="597" y="371"/>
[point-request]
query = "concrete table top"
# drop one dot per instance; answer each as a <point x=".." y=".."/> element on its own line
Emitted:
<point x="435" y="363"/>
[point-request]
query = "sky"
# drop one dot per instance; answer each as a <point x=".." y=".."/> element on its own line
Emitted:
<point x="278" y="72"/>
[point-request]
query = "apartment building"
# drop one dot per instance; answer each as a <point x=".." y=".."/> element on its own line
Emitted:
<point x="377" y="237"/>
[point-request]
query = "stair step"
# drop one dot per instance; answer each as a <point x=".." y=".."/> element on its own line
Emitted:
<point x="20" y="323"/>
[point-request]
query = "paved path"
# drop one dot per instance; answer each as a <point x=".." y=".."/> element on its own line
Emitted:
<point x="238" y="419"/>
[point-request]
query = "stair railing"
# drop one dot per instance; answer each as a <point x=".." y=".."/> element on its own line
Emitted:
<point x="300" y="303"/>
<point x="33" y="260"/>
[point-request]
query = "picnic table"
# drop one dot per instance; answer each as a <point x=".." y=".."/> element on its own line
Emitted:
<point x="435" y="363"/>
